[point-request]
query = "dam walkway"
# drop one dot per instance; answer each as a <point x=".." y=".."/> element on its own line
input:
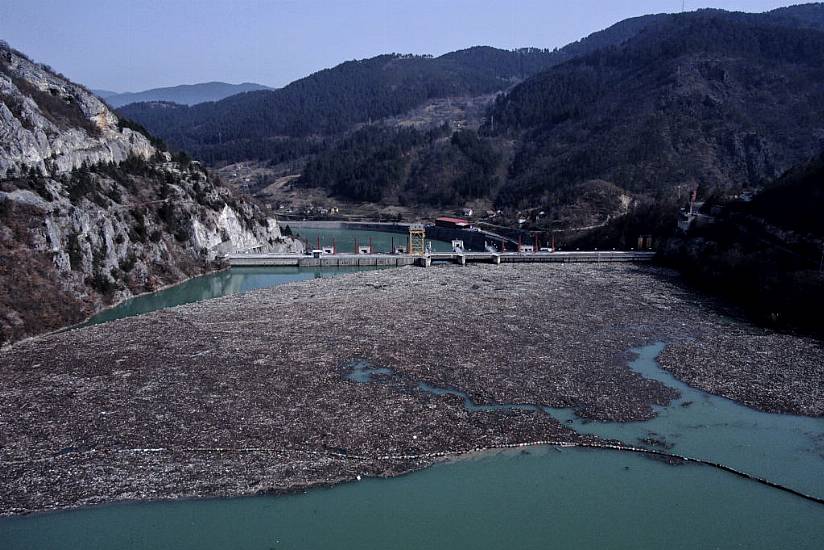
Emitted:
<point x="364" y="260"/>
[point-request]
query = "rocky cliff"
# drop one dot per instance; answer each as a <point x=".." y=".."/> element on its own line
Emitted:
<point x="55" y="125"/>
<point x="92" y="212"/>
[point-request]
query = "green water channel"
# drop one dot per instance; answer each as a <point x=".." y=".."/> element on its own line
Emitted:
<point x="783" y="448"/>
<point x="244" y="279"/>
<point x="214" y="285"/>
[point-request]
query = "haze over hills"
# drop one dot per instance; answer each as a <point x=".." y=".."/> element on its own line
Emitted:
<point x="102" y="94"/>
<point x="185" y="94"/>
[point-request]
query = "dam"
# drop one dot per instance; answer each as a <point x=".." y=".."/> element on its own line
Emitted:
<point x="397" y="260"/>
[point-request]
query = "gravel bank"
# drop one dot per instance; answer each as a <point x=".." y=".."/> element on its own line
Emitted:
<point x="245" y="394"/>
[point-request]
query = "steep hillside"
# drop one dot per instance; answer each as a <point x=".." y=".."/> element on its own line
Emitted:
<point x="333" y="100"/>
<point x="767" y="254"/>
<point x="408" y="166"/>
<point x="642" y="112"/>
<point x="276" y="124"/>
<point x="645" y="111"/>
<point x="707" y="99"/>
<point x="185" y="94"/>
<point x="91" y="212"/>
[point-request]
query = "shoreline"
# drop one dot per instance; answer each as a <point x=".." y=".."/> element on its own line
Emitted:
<point x="442" y="457"/>
<point x="117" y="303"/>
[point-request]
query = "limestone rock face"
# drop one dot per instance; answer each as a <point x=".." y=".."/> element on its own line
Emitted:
<point x="92" y="213"/>
<point x="55" y="125"/>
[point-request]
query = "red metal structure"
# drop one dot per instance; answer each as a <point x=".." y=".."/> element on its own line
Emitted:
<point x="454" y="223"/>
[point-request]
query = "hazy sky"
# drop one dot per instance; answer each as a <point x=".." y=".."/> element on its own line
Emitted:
<point x="130" y="45"/>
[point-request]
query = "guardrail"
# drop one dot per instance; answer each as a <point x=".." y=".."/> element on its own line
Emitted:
<point x="365" y="260"/>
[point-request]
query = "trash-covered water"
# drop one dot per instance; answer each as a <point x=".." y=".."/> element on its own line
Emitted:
<point x="536" y="499"/>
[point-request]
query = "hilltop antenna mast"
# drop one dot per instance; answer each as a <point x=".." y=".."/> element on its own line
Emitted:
<point x="683" y="6"/>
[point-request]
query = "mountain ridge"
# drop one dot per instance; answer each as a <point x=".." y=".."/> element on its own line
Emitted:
<point x="719" y="100"/>
<point x="327" y="102"/>
<point x="182" y="94"/>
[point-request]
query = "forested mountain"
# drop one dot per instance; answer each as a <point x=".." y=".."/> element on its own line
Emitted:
<point x="646" y="110"/>
<point x="407" y="166"/>
<point x="329" y="102"/>
<point x="708" y="99"/>
<point x="92" y="211"/>
<point x="333" y="100"/>
<point x="185" y="94"/>
<point x="766" y="254"/>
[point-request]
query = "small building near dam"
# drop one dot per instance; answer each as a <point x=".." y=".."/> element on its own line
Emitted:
<point x="452" y="223"/>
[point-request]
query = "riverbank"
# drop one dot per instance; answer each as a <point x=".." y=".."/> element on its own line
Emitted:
<point x="246" y="394"/>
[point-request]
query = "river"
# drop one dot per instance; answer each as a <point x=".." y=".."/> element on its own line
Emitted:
<point x="542" y="498"/>
<point x="244" y="279"/>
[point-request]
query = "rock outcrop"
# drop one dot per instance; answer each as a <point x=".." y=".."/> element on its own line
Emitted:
<point x="92" y="212"/>
<point x="55" y="125"/>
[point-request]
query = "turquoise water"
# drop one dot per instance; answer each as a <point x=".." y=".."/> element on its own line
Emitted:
<point x="244" y="279"/>
<point x="344" y="239"/>
<point x="542" y="499"/>
<point x="782" y="448"/>
<point x="539" y="498"/>
<point x="233" y="281"/>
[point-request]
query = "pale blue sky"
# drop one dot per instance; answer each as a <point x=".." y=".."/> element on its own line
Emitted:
<point x="137" y="44"/>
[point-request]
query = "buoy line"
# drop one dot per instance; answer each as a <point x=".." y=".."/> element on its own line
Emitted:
<point x="444" y="454"/>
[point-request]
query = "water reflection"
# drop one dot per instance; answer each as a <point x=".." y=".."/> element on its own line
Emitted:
<point x="214" y="285"/>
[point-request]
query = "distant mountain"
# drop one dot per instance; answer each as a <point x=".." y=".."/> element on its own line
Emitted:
<point x="185" y="94"/>
<point x="649" y="108"/>
<point x="103" y="94"/>
<point x="333" y="101"/>
<point x="710" y="99"/>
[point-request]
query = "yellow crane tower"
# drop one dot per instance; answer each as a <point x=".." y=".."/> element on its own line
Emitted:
<point x="417" y="239"/>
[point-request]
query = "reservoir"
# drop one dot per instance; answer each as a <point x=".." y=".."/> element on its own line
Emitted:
<point x="537" y="497"/>
<point x="214" y="285"/>
<point x="244" y="279"/>
<point x="541" y="498"/>
<point x="345" y="240"/>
